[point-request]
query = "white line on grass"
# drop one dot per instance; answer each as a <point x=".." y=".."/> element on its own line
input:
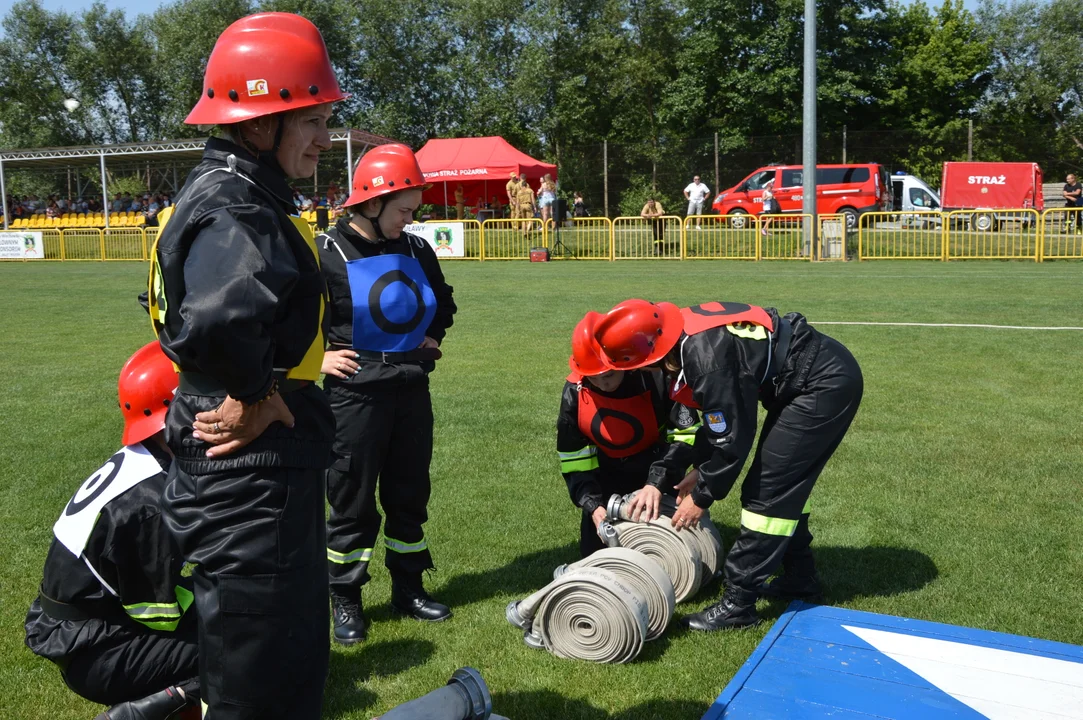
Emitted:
<point x="944" y="325"/>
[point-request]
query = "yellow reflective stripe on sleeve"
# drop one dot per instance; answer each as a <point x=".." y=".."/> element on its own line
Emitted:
<point x="157" y="616"/>
<point x="684" y="435"/>
<point x="768" y="525"/>
<point x="585" y="452"/>
<point x="360" y="555"/>
<point x="585" y="465"/>
<point x="403" y="547"/>
<point x="184" y="598"/>
<point x="808" y="507"/>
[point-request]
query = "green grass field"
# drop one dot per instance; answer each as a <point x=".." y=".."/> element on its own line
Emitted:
<point x="955" y="497"/>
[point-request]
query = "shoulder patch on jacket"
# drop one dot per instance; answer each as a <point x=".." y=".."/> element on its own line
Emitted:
<point x="716" y="421"/>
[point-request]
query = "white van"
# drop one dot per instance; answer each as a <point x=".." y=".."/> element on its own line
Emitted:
<point x="911" y="194"/>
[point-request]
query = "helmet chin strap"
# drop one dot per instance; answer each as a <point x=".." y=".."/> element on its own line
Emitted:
<point x="375" y="222"/>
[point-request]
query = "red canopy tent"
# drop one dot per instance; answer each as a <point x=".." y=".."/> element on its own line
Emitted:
<point x="482" y="165"/>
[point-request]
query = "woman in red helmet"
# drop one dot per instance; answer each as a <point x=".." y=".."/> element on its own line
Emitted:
<point x="389" y="310"/>
<point x="113" y="611"/>
<point x="726" y="358"/>
<point x="236" y="296"/>
<point x="612" y="427"/>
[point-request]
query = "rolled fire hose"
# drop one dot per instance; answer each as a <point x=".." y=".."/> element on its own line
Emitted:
<point x="645" y="575"/>
<point x="677" y="552"/>
<point x="705" y="536"/>
<point x="585" y="614"/>
<point x="465" y="697"/>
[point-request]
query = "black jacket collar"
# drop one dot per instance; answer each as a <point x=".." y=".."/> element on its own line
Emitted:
<point x="268" y="175"/>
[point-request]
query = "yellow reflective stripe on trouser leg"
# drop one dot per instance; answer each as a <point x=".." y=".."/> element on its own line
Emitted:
<point x="808" y="506"/>
<point x="404" y="547"/>
<point x="359" y="555"/>
<point x="581" y="460"/>
<point x="768" y="525"/>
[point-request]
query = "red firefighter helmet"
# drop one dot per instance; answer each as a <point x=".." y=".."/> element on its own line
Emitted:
<point x="637" y="333"/>
<point x="148" y="382"/>
<point x="383" y="170"/>
<point x="264" y="64"/>
<point x="586" y="359"/>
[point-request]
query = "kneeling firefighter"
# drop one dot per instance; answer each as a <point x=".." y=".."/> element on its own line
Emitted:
<point x="390" y="309"/>
<point x="729" y="357"/>
<point x="614" y="425"/>
<point x="114" y="612"/>
<point x="238" y="299"/>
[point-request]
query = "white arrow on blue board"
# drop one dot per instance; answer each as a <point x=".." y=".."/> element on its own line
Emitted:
<point x="999" y="684"/>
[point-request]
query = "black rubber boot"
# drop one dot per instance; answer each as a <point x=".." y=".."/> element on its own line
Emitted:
<point x="736" y="609"/>
<point x="794" y="587"/>
<point x="351" y="625"/>
<point x="408" y="597"/>
<point x="165" y="705"/>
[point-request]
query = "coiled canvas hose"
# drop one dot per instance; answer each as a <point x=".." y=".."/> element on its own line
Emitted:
<point x="705" y="538"/>
<point x="646" y="576"/>
<point x="585" y="614"/>
<point x="677" y="552"/>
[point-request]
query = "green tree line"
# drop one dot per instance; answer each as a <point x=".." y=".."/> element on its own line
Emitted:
<point x="656" y="80"/>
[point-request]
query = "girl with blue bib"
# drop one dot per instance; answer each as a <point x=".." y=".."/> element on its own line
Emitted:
<point x="389" y="310"/>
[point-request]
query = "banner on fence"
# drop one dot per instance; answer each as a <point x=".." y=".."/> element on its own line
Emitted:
<point x="446" y="238"/>
<point x="21" y="246"/>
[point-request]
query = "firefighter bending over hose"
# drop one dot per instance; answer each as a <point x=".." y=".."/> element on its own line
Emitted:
<point x="614" y="425"/>
<point x="727" y="358"/>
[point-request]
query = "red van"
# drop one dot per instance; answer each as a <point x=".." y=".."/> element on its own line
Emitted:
<point x="847" y="189"/>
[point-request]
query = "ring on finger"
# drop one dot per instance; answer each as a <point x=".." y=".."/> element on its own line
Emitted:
<point x="216" y="429"/>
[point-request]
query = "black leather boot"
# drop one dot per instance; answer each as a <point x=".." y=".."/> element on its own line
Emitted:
<point x="351" y="625"/>
<point x="164" y="705"/>
<point x="736" y="609"/>
<point x="794" y="587"/>
<point x="408" y="597"/>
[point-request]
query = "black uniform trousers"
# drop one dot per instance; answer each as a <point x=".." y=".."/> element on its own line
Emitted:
<point x="383" y="438"/>
<point x="257" y="536"/>
<point x="117" y="662"/>
<point x="797" y="440"/>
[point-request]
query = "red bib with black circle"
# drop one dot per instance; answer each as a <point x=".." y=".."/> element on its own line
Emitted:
<point x="716" y="314"/>
<point x="618" y="427"/>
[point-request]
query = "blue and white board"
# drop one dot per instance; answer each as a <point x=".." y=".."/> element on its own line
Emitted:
<point x="825" y="662"/>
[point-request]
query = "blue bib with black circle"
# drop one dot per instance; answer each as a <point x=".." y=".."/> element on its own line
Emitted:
<point x="393" y="302"/>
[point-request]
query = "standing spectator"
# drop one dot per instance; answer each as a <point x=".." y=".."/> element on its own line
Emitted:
<point x="579" y="206"/>
<point x="460" y="202"/>
<point x="652" y="212"/>
<point x="770" y="205"/>
<point x="527" y="205"/>
<point x="546" y="198"/>
<point x="1073" y="198"/>
<point x="695" y="193"/>
<point x="513" y="199"/>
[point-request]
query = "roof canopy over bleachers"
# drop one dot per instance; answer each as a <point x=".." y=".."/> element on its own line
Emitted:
<point x="136" y="157"/>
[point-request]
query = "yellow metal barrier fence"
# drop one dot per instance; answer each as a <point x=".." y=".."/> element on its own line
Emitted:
<point x="504" y="239"/>
<point x="921" y="235"/>
<point x="1062" y="234"/>
<point x="150" y="236"/>
<point x="124" y="244"/>
<point x="721" y="237"/>
<point x="82" y="244"/>
<point x="901" y="236"/>
<point x="471" y="239"/>
<point x="782" y="237"/>
<point x="636" y="238"/>
<point x="992" y="235"/>
<point x="833" y="238"/>
<point x="585" y="238"/>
